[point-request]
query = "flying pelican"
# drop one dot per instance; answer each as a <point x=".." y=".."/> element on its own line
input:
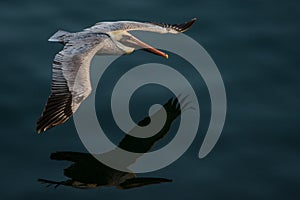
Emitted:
<point x="104" y="38"/>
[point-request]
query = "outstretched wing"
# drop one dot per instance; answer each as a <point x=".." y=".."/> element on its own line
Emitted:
<point x="70" y="79"/>
<point x="106" y="27"/>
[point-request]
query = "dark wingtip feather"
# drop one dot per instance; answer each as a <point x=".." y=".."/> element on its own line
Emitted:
<point x="178" y="27"/>
<point x="57" y="111"/>
<point x="185" y="26"/>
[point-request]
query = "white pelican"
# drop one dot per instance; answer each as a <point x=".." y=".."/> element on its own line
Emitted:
<point x="74" y="60"/>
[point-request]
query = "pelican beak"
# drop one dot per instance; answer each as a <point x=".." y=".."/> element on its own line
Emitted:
<point x="147" y="47"/>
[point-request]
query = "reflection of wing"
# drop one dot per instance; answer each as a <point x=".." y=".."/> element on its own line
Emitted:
<point x="66" y="93"/>
<point x="143" y="145"/>
<point x="139" y="182"/>
<point x="87" y="172"/>
<point x="106" y="27"/>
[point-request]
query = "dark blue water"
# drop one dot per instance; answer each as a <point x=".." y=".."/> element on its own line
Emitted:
<point x="255" y="44"/>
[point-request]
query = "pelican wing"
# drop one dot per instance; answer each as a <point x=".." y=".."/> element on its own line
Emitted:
<point x="106" y="27"/>
<point x="70" y="79"/>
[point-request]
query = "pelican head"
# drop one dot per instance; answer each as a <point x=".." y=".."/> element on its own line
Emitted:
<point x="128" y="43"/>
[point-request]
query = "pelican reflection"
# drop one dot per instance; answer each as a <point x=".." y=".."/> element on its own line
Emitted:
<point x="87" y="172"/>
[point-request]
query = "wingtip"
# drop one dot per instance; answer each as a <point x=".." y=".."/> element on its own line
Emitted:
<point x="38" y="131"/>
<point x="185" y="26"/>
<point x="178" y="28"/>
<point x="39" y="128"/>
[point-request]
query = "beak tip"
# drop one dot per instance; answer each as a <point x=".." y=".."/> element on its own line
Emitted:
<point x="167" y="56"/>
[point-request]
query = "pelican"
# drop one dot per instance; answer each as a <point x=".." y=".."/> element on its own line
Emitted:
<point x="73" y="62"/>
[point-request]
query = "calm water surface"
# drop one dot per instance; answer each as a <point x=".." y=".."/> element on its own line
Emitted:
<point x="256" y="47"/>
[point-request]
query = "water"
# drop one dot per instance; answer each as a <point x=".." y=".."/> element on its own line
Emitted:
<point x="254" y="44"/>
